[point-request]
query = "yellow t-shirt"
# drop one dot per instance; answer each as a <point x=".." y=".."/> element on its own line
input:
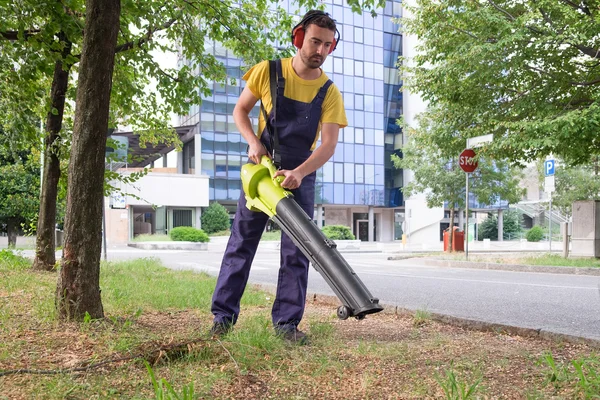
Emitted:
<point x="296" y="88"/>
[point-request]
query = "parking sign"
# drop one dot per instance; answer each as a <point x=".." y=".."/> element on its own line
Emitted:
<point x="549" y="167"/>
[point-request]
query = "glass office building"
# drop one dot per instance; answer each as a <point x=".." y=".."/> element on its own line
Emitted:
<point x="360" y="176"/>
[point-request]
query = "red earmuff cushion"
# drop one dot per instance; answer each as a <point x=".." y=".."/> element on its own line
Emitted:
<point x="298" y="35"/>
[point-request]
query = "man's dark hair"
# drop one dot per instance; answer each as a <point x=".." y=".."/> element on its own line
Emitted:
<point x="320" y="19"/>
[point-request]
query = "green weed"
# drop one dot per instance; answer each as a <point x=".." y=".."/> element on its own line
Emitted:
<point x="584" y="376"/>
<point x="421" y="317"/>
<point x="454" y="389"/>
<point x="163" y="390"/>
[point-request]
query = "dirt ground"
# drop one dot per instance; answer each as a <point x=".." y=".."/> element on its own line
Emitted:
<point x="390" y="355"/>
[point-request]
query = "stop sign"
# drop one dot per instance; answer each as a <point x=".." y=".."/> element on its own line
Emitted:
<point x="467" y="161"/>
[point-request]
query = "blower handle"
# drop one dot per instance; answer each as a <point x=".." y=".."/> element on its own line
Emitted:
<point x="267" y="162"/>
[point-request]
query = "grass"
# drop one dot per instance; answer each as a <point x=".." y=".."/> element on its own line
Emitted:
<point x="154" y="344"/>
<point x="220" y="233"/>
<point x="271" y="236"/>
<point x="152" y="238"/>
<point x="556" y="260"/>
<point x="547" y="259"/>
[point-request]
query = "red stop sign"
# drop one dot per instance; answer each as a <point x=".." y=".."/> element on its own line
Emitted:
<point x="467" y="161"/>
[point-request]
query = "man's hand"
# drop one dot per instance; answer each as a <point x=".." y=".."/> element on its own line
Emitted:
<point x="293" y="178"/>
<point x="255" y="152"/>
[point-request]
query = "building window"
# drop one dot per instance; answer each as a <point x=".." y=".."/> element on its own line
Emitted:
<point x="182" y="217"/>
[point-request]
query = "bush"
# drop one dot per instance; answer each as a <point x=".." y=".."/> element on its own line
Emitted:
<point x="215" y="218"/>
<point x="488" y="229"/>
<point x="535" y="234"/>
<point x="338" y="232"/>
<point x="188" y="234"/>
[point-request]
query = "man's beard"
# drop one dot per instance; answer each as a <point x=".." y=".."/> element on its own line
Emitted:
<point x="314" y="61"/>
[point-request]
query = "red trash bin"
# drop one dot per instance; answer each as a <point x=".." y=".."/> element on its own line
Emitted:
<point x="458" y="239"/>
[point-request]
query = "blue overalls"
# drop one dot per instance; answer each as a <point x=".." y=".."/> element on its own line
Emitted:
<point x="297" y="125"/>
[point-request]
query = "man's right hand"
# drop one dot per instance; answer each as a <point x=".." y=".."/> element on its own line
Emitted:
<point x="256" y="151"/>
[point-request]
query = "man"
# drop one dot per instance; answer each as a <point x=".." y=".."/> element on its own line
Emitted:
<point x="307" y="104"/>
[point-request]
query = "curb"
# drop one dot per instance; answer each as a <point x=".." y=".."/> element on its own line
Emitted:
<point x="505" y="267"/>
<point x="169" y="245"/>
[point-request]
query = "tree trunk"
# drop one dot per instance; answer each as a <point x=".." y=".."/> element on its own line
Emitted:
<point x="78" y="287"/>
<point x="12" y="231"/>
<point x="45" y="245"/>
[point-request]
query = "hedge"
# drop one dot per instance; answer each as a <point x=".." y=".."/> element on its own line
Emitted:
<point x="338" y="232"/>
<point x="188" y="234"/>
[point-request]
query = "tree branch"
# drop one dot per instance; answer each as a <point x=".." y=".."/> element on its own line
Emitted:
<point x="590" y="51"/>
<point x="14" y="35"/>
<point x="503" y="11"/>
<point x="585" y="10"/>
<point x="590" y="83"/>
<point x="146" y="38"/>
<point x="464" y="31"/>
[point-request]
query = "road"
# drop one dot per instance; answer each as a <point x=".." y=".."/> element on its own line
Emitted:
<point x="557" y="303"/>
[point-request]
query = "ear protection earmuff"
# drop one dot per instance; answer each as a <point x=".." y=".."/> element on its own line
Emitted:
<point x="299" y="30"/>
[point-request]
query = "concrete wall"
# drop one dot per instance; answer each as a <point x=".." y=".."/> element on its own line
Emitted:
<point x="337" y="216"/>
<point x="585" y="237"/>
<point x="169" y="190"/>
<point x="422" y="224"/>
<point x="117" y="225"/>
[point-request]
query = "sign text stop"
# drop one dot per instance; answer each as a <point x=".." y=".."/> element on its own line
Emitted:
<point x="467" y="161"/>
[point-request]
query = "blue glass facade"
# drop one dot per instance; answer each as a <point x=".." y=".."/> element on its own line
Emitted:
<point x="363" y="67"/>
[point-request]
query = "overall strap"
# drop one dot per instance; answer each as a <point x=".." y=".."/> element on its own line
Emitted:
<point x="275" y="74"/>
<point x="272" y="128"/>
<point x="320" y="97"/>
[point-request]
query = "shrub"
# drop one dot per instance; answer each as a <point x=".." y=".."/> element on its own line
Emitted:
<point x="338" y="232"/>
<point x="215" y="218"/>
<point x="488" y="229"/>
<point x="188" y="234"/>
<point x="535" y="234"/>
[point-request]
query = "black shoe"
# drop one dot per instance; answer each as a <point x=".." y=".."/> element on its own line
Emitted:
<point x="294" y="336"/>
<point x="220" y="329"/>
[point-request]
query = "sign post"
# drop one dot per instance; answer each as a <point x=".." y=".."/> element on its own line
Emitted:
<point x="549" y="186"/>
<point x="467" y="163"/>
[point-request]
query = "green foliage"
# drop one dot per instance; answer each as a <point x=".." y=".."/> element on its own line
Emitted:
<point x="584" y="375"/>
<point x="535" y="234"/>
<point x="19" y="187"/>
<point x="511" y="223"/>
<point x="338" y="232"/>
<point x="11" y="261"/>
<point x="433" y="158"/>
<point x="188" y="234"/>
<point x="215" y="218"/>
<point x="524" y="71"/>
<point x="144" y="92"/>
<point x="574" y="183"/>
<point x="455" y="389"/>
<point x="163" y="390"/>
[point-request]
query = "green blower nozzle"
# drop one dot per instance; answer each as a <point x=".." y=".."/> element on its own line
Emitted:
<point x="264" y="193"/>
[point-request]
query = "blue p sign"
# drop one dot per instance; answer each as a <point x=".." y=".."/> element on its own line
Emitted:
<point x="549" y="167"/>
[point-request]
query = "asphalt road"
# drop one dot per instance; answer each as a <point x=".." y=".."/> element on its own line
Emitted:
<point x="557" y="303"/>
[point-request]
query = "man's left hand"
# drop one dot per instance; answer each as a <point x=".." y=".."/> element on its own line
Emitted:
<point x="293" y="178"/>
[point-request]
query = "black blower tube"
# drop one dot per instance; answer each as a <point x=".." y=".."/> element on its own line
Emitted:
<point x="322" y="252"/>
